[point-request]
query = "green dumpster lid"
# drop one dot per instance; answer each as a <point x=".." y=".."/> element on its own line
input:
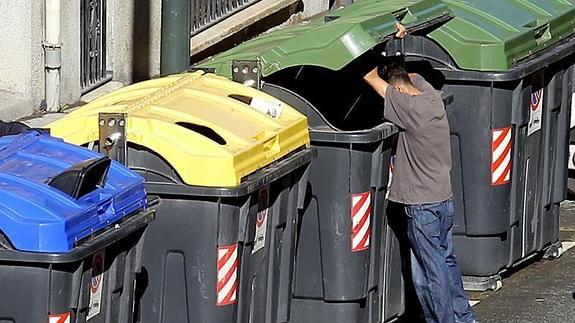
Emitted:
<point x="492" y="35"/>
<point x="334" y="40"/>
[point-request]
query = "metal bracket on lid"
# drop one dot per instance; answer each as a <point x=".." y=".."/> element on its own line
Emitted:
<point x="113" y="136"/>
<point x="394" y="51"/>
<point x="247" y="72"/>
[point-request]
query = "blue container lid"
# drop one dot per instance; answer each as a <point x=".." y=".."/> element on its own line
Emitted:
<point x="38" y="213"/>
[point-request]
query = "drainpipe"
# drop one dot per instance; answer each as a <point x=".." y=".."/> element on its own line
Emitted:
<point x="175" y="52"/>
<point x="52" y="54"/>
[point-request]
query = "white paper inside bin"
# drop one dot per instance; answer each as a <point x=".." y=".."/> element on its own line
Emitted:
<point x="272" y="108"/>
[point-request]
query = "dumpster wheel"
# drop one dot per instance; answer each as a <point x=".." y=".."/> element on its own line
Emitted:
<point x="498" y="285"/>
<point x="554" y="251"/>
<point x="481" y="284"/>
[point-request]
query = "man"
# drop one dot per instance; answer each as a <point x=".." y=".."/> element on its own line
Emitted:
<point x="421" y="182"/>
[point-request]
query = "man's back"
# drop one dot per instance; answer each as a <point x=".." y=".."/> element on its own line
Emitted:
<point x="423" y="156"/>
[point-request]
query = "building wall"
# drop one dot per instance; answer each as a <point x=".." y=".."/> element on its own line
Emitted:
<point x="134" y="39"/>
<point x="70" y="39"/>
<point x="133" y="48"/>
<point x="21" y="54"/>
<point x="313" y="7"/>
<point x="15" y="45"/>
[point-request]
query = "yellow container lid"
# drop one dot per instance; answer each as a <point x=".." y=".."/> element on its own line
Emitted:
<point x="211" y="130"/>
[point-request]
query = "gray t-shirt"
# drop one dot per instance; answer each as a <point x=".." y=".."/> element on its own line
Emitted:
<point x="423" y="157"/>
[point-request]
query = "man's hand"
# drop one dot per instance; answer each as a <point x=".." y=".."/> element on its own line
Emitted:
<point x="401" y="30"/>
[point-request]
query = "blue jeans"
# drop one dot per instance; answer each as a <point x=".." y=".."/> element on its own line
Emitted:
<point x="435" y="272"/>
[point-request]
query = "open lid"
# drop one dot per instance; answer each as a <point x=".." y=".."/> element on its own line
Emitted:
<point x="334" y="40"/>
<point x="211" y="131"/>
<point x="321" y="129"/>
<point x="54" y="194"/>
<point x="492" y="35"/>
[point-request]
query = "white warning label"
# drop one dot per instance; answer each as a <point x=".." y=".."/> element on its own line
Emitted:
<point x="96" y="284"/>
<point x="262" y="219"/>
<point x="535" y="112"/>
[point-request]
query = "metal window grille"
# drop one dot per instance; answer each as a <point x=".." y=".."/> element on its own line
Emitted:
<point x="206" y="13"/>
<point x="93" y="71"/>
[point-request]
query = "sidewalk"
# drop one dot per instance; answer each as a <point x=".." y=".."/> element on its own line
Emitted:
<point x="43" y="120"/>
<point x="539" y="291"/>
<point x="543" y="291"/>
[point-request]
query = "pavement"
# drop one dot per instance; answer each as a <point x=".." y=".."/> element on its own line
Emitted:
<point x="41" y="120"/>
<point x="542" y="291"/>
<point x="539" y="291"/>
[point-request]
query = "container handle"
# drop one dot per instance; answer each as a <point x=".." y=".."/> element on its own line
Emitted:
<point x="541" y="30"/>
<point x="542" y="33"/>
<point x="271" y="146"/>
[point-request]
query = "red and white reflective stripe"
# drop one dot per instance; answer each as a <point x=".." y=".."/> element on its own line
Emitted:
<point x="501" y="156"/>
<point x="227" y="285"/>
<point x="360" y="221"/>
<point x="59" y="318"/>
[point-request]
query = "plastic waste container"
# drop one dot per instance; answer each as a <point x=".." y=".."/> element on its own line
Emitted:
<point x="229" y="164"/>
<point x="507" y="64"/>
<point x="348" y="266"/>
<point x="509" y="122"/>
<point x="71" y="230"/>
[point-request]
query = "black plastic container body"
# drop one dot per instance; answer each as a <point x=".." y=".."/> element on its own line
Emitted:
<point x="204" y="259"/>
<point x="348" y="267"/>
<point x="509" y="138"/>
<point x="94" y="282"/>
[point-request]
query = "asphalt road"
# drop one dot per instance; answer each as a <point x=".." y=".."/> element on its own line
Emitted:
<point x="540" y="291"/>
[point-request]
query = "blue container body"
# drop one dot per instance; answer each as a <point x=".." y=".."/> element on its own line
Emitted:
<point x="40" y="218"/>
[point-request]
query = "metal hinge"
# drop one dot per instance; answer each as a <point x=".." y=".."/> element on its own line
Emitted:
<point x="247" y="72"/>
<point x="112" y="128"/>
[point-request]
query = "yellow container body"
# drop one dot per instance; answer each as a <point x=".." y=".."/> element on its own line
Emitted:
<point x="209" y="138"/>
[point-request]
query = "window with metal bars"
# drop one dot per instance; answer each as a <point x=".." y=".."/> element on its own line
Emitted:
<point x="206" y="13"/>
<point x="93" y="72"/>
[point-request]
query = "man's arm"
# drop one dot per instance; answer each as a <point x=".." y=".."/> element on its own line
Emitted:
<point x="376" y="82"/>
<point x="372" y="78"/>
<point x="397" y="104"/>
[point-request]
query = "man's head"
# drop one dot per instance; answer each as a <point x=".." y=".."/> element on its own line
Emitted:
<point x="397" y="77"/>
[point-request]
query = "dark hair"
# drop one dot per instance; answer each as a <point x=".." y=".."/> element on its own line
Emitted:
<point x="395" y="74"/>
